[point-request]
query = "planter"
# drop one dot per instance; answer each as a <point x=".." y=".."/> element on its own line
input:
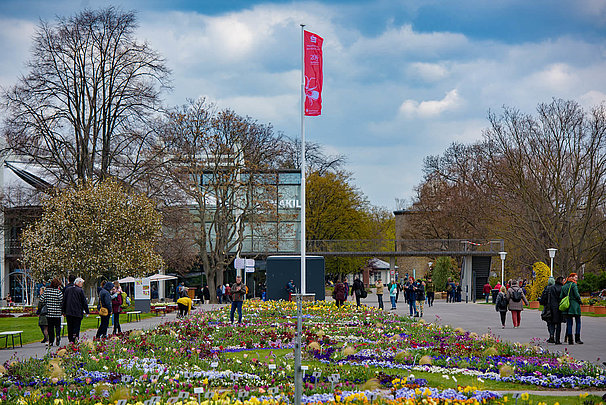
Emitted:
<point x="600" y="310"/>
<point x="585" y="307"/>
<point x="534" y="304"/>
<point x="591" y="308"/>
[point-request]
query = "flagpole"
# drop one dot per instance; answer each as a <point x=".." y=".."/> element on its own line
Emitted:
<point x="303" y="247"/>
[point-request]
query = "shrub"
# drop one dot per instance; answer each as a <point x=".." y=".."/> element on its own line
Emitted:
<point x="542" y="272"/>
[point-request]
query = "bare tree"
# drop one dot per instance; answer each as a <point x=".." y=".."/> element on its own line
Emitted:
<point x="82" y="111"/>
<point x="315" y="158"/>
<point x="221" y="166"/>
<point x="537" y="182"/>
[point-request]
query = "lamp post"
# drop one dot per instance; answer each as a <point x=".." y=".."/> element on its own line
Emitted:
<point x="552" y="252"/>
<point x="503" y="255"/>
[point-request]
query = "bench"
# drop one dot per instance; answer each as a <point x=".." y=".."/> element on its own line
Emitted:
<point x="133" y="314"/>
<point x="12" y="334"/>
<point x="157" y="310"/>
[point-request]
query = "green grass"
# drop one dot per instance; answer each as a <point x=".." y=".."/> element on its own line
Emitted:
<point x="31" y="330"/>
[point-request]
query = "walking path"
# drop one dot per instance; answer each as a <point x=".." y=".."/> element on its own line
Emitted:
<point x="482" y="318"/>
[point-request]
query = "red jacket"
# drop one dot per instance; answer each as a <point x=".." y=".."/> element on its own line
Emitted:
<point x="117" y="304"/>
<point x="487" y="288"/>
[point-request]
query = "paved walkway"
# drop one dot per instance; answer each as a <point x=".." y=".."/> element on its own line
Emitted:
<point x="482" y="318"/>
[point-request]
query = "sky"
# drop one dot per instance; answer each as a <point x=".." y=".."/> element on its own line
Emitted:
<point x="402" y="79"/>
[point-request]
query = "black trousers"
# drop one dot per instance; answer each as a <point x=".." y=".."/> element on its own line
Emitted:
<point x="54" y="327"/>
<point x="430" y="297"/>
<point x="73" y="328"/>
<point x="103" y="324"/>
<point x="182" y="309"/>
<point x="117" y="327"/>
<point x="380" y="298"/>
<point x="503" y="317"/>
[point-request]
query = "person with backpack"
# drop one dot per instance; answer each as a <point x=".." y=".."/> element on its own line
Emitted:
<point x="501" y="305"/>
<point x="573" y="312"/>
<point x="516" y="301"/>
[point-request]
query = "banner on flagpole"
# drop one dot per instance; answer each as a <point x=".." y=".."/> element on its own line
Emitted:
<point x="312" y="44"/>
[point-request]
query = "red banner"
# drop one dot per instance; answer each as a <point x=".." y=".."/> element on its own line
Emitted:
<point x="313" y="73"/>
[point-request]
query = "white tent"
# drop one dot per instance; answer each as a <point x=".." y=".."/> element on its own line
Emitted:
<point x="161" y="277"/>
<point x="127" y="280"/>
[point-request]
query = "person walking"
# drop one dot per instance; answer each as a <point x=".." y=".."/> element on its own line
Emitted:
<point x="501" y="305"/>
<point x="74" y="307"/>
<point x="550" y="299"/>
<point x="449" y="290"/>
<point x="238" y="292"/>
<point x="393" y="290"/>
<point x="339" y="293"/>
<point x="117" y="301"/>
<point x="220" y="294"/>
<point x="356" y="290"/>
<point x="430" y="290"/>
<point x="487" y="289"/>
<point x="573" y="312"/>
<point x="411" y="290"/>
<point x="379" y="286"/>
<point x="41" y="312"/>
<point x="105" y="308"/>
<point x="53" y="299"/>
<point x="206" y="294"/>
<point x="420" y="296"/>
<point x="516" y="301"/>
<point x="290" y="289"/>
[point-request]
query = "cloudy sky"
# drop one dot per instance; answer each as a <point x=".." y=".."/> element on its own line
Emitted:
<point x="402" y="79"/>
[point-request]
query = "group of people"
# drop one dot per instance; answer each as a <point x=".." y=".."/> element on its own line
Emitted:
<point x="112" y="300"/>
<point x="513" y="299"/>
<point x="56" y="301"/>
<point x="551" y="298"/>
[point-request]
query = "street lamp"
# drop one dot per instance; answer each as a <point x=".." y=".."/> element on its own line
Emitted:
<point x="502" y="254"/>
<point x="552" y="252"/>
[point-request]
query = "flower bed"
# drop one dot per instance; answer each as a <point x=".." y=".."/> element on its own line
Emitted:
<point x="352" y="356"/>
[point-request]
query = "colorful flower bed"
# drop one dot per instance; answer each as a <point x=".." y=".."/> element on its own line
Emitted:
<point x="351" y="356"/>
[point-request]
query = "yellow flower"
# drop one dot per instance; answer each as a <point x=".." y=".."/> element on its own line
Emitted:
<point x="524" y="396"/>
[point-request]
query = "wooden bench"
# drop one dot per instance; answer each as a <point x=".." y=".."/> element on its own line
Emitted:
<point x="12" y="334"/>
<point x="133" y="314"/>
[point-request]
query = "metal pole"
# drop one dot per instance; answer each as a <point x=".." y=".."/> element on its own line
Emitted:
<point x="298" y="377"/>
<point x="551" y="267"/>
<point x="502" y="271"/>
<point x="303" y="289"/>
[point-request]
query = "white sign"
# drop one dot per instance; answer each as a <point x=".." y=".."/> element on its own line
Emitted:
<point x="239" y="263"/>
<point x="142" y="289"/>
<point x="250" y="265"/>
<point x="289" y="204"/>
<point x="199" y="390"/>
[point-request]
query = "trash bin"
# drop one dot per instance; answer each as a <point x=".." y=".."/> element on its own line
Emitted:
<point x="494" y="292"/>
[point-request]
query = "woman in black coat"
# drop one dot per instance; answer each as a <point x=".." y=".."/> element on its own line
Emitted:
<point x="550" y="299"/>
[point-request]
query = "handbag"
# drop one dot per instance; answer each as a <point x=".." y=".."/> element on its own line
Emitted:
<point x="103" y="311"/>
<point x="363" y="294"/>
<point x="565" y="302"/>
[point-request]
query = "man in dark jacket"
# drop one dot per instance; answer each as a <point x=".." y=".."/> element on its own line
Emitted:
<point x="356" y="289"/>
<point x="105" y="301"/>
<point x="74" y="306"/>
<point x="238" y="292"/>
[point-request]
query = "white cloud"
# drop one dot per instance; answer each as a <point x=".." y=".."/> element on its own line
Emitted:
<point x="429" y="72"/>
<point x="431" y="108"/>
